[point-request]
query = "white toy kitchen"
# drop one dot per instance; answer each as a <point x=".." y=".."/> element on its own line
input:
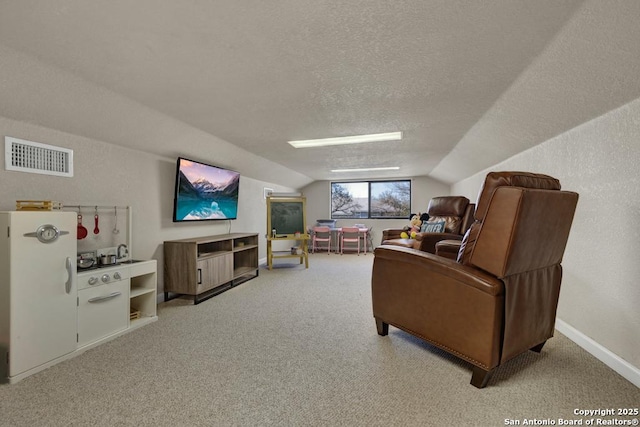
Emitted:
<point x="66" y="287"/>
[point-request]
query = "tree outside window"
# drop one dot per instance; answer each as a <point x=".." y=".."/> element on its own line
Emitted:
<point x="390" y="199"/>
<point x="349" y="200"/>
<point x="371" y="199"/>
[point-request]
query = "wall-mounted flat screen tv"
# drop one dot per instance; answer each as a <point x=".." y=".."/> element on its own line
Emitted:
<point x="204" y="192"/>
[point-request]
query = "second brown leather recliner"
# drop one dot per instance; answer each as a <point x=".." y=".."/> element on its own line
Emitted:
<point x="455" y="211"/>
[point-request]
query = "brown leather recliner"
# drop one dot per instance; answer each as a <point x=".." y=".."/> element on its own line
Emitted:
<point x="455" y="211"/>
<point x="500" y="298"/>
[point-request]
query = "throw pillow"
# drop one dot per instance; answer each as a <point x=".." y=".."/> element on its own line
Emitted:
<point x="432" y="227"/>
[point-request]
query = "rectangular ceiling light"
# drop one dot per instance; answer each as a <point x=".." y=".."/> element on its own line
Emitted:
<point x="342" y="140"/>
<point x="388" y="168"/>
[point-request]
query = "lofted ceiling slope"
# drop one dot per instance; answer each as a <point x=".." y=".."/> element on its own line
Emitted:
<point x="468" y="83"/>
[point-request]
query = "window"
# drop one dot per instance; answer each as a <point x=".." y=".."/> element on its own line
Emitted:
<point x="371" y="199"/>
<point x="349" y="200"/>
<point x="390" y="199"/>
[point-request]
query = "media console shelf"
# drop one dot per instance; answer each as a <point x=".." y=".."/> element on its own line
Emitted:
<point x="203" y="267"/>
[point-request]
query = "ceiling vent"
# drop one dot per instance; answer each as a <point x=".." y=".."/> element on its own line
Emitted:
<point x="34" y="157"/>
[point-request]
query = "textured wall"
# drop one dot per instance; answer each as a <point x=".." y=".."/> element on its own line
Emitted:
<point x="600" y="294"/>
<point x="131" y="161"/>
<point x="563" y="87"/>
<point x="107" y="174"/>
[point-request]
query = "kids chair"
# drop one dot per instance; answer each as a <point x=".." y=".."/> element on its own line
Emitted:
<point x="350" y="236"/>
<point x="321" y="235"/>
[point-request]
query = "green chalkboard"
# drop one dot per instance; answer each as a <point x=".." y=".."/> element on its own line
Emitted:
<point x="286" y="216"/>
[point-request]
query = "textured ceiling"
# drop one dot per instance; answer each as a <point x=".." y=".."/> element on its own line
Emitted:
<point x="468" y="83"/>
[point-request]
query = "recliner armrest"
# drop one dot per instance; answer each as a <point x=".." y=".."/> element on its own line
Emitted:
<point x="427" y="241"/>
<point x="455" y="307"/>
<point x="391" y="234"/>
<point x="406" y="259"/>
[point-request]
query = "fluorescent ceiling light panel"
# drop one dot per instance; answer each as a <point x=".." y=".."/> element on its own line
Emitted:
<point x="388" y="168"/>
<point x="343" y="140"/>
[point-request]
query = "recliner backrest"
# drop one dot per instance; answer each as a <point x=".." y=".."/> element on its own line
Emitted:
<point x="493" y="181"/>
<point x="523" y="230"/>
<point x="451" y="210"/>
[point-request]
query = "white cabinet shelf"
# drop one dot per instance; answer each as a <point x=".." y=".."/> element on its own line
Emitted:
<point x="136" y="292"/>
<point x="142" y="293"/>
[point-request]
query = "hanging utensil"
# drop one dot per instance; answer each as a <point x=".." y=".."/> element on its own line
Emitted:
<point x="96" y="230"/>
<point x="115" y="220"/>
<point x="82" y="232"/>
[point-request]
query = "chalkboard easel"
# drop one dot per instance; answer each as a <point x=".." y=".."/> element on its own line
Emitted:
<point x="286" y="220"/>
<point x="286" y="215"/>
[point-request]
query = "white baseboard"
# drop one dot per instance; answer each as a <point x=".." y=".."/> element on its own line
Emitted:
<point x="612" y="360"/>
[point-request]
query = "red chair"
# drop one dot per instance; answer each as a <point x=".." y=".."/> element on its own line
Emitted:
<point x="321" y="235"/>
<point x="350" y="236"/>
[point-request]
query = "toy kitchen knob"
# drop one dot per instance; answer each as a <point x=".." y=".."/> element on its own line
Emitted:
<point x="105" y="278"/>
<point x="93" y="280"/>
<point x="117" y="276"/>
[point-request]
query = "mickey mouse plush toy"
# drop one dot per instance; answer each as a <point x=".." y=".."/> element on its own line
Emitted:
<point x="413" y="228"/>
<point x="415" y="223"/>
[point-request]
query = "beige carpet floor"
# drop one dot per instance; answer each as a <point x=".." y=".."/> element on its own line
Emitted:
<point x="298" y="347"/>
